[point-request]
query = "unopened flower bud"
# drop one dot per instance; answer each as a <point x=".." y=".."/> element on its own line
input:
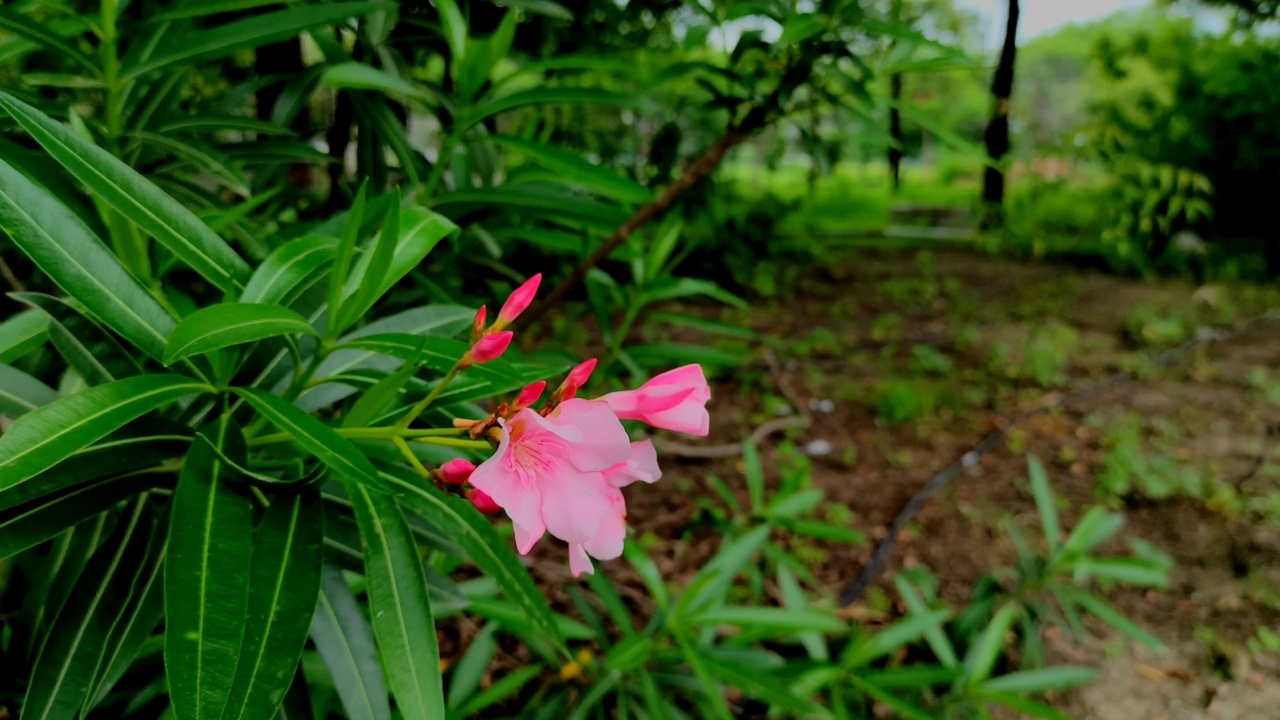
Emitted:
<point x="576" y="379"/>
<point x="456" y="471"/>
<point x="491" y="347"/>
<point x="518" y="301"/>
<point x="482" y="502"/>
<point x="478" y="325"/>
<point x="530" y="394"/>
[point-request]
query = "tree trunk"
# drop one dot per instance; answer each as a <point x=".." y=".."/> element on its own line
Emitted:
<point x="895" y="131"/>
<point x="997" y="135"/>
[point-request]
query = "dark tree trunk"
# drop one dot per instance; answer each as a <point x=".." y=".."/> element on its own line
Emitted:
<point x="997" y="135"/>
<point x="895" y="131"/>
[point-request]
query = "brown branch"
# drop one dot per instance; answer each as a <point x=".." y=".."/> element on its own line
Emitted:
<point x="709" y="161"/>
<point x="6" y="273"/>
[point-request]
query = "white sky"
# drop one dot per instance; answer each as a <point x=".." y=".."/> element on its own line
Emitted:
<point x="1040" y="16"/>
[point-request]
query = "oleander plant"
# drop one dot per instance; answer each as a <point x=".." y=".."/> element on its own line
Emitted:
<point x="264" y="452"/>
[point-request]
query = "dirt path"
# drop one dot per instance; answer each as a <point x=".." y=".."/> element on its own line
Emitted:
<point x="909" y="358"/>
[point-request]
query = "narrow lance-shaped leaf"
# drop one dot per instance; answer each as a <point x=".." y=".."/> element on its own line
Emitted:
<point x="21" y="334"/>
<point x="345" y="642"/>
<point x="344" y="254"/>
<point x="135" y="197"/>
<point x="43" y="438"/>
<point x="206" y="588"/>
<point x="41" y="33"/>
<point x="576" y="170"/>
<point x="20" y="393"/>
<point x="89" y="349"/>
<point x="64" y="672"/>
<point x="252" y="32"/>
<point x="319" y="439"/>
<point x="416" y="233"/>
<point x="289" y="270"/>
<point x="400" y="605"/>
<point x="370" y="273"/>
<point x="74" y="258"/>
<point x="283" y="586"/>
<point x="137" y="620"/>
<point x="32" y="523"/>
<point x="141" y="444"/>
<point x="486" y="548"/>
<point x="220" y="326"/>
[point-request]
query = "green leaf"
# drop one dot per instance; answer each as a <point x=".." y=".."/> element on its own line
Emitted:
<point x="33" y="522"/>
<point x="283" y="586"/>
<point x="454" y="28"/>
<point x="41" y="33"/>
<point x="135" y="197"/>
<point x="1109" y="615"/>
<point x="345" y="642"/>
<point x="439" y="354"/>
<point x="780" y="620"/>
<point x="545" y="96"/>
<point x="575" y="170"/>
<point x="539" y="7"/>
<point x="206" y="588"/>
<point x="1038" y="681"/>
<point x="209" y="124"/>
<point x="21" y="334"/>
<point x="64" y="672"/>
<point x="202" y="158"/>
<point x="289" y="270"/>
<point x="90" y="350"/>
<point x="888" y="639"/>
<point x="186" y="48"/>
<point x="475" y="662"/>
<point x="358" y="76"/>
<point x="43" y="438"/>
<point x="137" y="620"/>
<point x="1043" y="494"/>
<point x="937" y="639"/>
<point x="364" y="285"/>
<point x="475" y="533"/>
<point x="400" y="605"/>
<point x="718" y="575"/>
<point x="220" y="326"/>
<point x="799" y="28"/>
<point x="505" y="687"/>
<point x="1094" y="528"/>
<point x="755" y="683"/>
<point x="377" y="398"/>
<point x="20" y="393"/>
<point x="317" y="438"/>
<point x="420" y="230"/>
<point x="899" y="706"/>
<point x="982" y="656"/>
<point x="755" y="476"/>
<point x="74" y="258"/>
<point x="345" y="252"/>
<point x="139" y="445"/>
<point x="1026" y="706"/>
<point x="1131" y="571"/>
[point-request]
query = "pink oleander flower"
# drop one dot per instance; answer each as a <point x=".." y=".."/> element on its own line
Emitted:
<point x="675" y="400"/>
<point x="607" y="543"/>
<point x="483" y="502"/>
<point x="456" y="471"/>
<point x="491" y="347"/>
<point x="551" y="474"/>
<point x="576" y="378"/>
<point x="518" y="301"/>
<point x="530" y="394"/>
<point x="478" y="325"/>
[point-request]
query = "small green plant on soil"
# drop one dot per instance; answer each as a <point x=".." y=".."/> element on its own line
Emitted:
<point x="744" y="637"/>
<point x="1043" y="357"/>
<point x="1130" y="468"/>
<point x="1148" y="326"/>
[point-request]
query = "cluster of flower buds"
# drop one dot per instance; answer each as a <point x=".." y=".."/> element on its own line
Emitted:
<point x="489" y="342"/>
<point x="457" y="472"/>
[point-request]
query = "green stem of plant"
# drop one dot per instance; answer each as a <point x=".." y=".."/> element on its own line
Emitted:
<point x="389" y="432"/>
<point x="407" y="452"/>
<point x="455" y="443"/>
<point x="111" y="76"/>
<point x="425" y="402"/>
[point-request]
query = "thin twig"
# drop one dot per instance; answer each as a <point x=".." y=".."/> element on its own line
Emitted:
<point x="12" y="280"/>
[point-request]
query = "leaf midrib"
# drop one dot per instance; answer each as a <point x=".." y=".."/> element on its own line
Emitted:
<point x="181" y="351"/>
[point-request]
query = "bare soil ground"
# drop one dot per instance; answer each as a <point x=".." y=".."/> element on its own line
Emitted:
<point x="1015" y="335"/>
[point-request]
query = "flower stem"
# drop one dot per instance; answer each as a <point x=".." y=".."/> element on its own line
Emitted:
<point x="455" y="442"/>
<point x="416" y="410"/>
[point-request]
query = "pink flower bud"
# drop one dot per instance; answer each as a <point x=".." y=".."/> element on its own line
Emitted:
<point x="530" y="394"/>
<point x="477" y="327"/>
<point x="519" y="300"/>
<point x="491" y="347"/>
<point x="481" y="500"/>
<point x="576" y="379"/>
<point x="456" y="471"/>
